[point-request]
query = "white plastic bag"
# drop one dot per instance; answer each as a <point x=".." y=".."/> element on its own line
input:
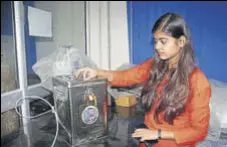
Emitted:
<point x="64" y="61"/>
<point x="218" y="109"/>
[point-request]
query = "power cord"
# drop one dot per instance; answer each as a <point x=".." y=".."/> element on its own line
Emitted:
<point x="31" y="117"/>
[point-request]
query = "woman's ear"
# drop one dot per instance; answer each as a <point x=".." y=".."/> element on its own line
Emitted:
<point x="181" y="41"/>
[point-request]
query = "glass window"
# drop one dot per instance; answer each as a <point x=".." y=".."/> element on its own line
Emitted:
<point x="9" y="76"/>
<point x="68" y="29"/>
<point x="10" y="123"/>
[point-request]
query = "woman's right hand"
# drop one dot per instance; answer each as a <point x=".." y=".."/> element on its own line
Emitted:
<point x="86" y="73"/>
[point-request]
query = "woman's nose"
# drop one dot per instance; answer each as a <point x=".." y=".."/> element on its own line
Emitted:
<point x="158" y="47"/>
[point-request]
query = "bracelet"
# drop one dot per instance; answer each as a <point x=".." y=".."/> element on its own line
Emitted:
<point x="159" y="134"/>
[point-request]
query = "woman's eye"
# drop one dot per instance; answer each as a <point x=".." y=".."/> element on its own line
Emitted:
<point x="163" y="42"/>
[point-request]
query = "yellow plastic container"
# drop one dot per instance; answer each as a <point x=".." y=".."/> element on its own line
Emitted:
<point x="126" y="100"/>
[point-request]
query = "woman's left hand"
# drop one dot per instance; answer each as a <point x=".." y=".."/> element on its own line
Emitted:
<point x="145" y="134"/>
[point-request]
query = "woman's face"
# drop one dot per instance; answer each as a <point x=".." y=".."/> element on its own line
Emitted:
<point x="166" y="46"/>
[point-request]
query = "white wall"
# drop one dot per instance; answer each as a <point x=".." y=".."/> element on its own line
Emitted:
<point x="68" y="26"/>
<point x="107" y="33"/>
<point x="119" y="34"/>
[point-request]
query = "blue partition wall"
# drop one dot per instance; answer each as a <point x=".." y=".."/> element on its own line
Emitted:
<point x="208" y="24"/>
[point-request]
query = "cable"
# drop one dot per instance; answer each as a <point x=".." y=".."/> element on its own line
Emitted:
<point x="58" y="121"/>
<point x="52" y="108"/>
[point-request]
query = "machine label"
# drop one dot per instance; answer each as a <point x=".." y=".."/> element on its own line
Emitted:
<point x="90" y="115"/>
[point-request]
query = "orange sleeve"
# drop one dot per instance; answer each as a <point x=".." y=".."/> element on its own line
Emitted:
<point x="199" y="111"/>
<point x="134" y="75"/>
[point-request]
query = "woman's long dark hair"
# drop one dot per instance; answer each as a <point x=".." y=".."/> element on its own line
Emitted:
<point x="175" y="92"/>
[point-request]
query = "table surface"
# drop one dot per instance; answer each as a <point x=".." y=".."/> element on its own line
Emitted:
<point x="42" y="131"/>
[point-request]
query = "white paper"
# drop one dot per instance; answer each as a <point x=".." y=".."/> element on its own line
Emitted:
<point x="39" y="22"/>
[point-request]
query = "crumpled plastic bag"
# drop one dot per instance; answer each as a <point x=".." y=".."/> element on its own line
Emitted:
<point x="218" y="109"/>
<point x="64" y="61"/>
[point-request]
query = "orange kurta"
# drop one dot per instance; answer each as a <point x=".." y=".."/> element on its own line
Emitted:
<point x="189" y="127"/>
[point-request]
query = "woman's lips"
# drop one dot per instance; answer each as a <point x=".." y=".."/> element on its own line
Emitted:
<point x="161" y="53"/>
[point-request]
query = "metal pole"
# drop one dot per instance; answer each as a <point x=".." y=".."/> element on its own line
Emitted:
<point x="88" y="29"/>
<point x="21" y="59"/>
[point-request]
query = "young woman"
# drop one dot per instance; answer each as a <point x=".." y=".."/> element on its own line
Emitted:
<point x="176" y="93"/>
